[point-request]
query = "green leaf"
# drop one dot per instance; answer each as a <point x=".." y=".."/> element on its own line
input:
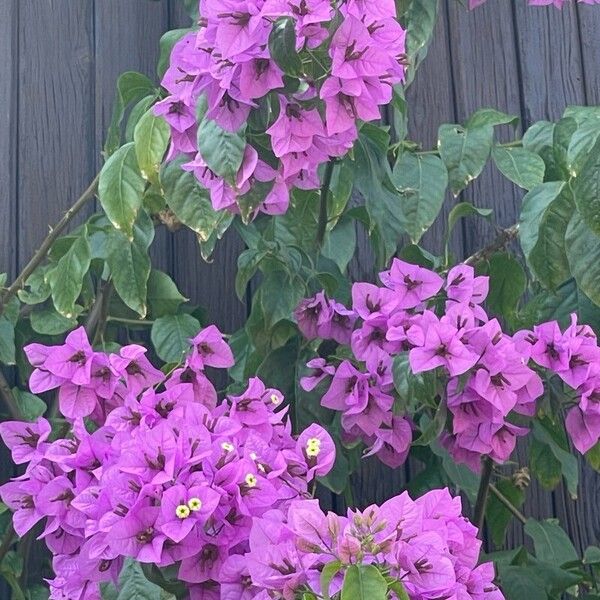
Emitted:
<point x="339" y="244"/>
<point x="129" y="263"/>
<point x="498" y="517"/>
<point x="521" y="166"/>
<point x="586" y="191"/>
<point x="132" y="585"/>
<point x="557" y="443"/>
<point x="223" y="220"/>
<point x="491" y="116"/>
<point x="591" y="556"/>
<point x="137" y="112"/>
<point x="583" y="253"/>
<point x="330" y="570"/>
<point x="222" y="150"/>
<point x="7" y="341"/>
<point x="421" y="181"/>
<point x="581" y="146"/>
<point x="398" y="588"/>
<point x="247" y="265"/>
<point x="48" y="322"/>
<point x="551" y="543"/>
<point x="167" y="41"/>
<point x="66" y="279"/>
<point x="282" y="47"/>
<point x="544" y="465"/>
<point x="163" y="296"/>
<point x="131" y="87"/>
<point x="421" y="18"/>
<point x="373" y="180"/>
<point x="460" y="475"/>
<point x="434" y="428"/>
<point x="171" y="336"/>
<point x="364" y="582"/>
<point x="31" y="406"/>
<point x="280" y="294"/>
<point x="189" y="201"/>
<point x="121" y="187"/>
<point x="465" y="151"/>
<point x="519" y="583"/>
<point x="508" y="283"/>
<point x="36" y="289"/>
<point x="151" y="138"/>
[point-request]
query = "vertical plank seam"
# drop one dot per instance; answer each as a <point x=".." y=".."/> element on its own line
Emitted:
<point x="581" y="53"/>
<point x="16" y="80"/>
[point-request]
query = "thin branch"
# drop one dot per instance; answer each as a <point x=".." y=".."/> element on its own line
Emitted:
<point x="41" y="253"/>
<point x="323" y="218"/>
<point x="502" y="240"/>
<point x="96" y="320"/>
<point x="9" y="399"/>
<point x="508" y="504"/>
<point x="487" y="467"/>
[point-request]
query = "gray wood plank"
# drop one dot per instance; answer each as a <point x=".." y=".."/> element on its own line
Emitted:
<point x="56" y="99"/>
<point x="589" y="38"/>
<point x="8" y="136"/>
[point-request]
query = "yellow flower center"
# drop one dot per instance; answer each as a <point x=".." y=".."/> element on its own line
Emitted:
<point x="194" y="504"/>
<point x="182" y="511"/>
<point x="275" y="399"/>
<point x="253" y="455"/>
<point x="227" y="447"/>
<point x="313" y="447"/>
<point x="251" y="480"/>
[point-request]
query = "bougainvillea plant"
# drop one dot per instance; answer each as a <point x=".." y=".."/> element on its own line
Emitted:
<point x="158" y="458"/>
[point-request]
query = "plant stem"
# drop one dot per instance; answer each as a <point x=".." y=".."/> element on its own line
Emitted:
<point x="55" y="232"/>
<point x="508" y="504"/>
<point x="129" y="321"/>
<point x="322" y="226"/>
<point x="436" y="152"/>
<point x="9" y="399"/>
<point x="487" y="467"/>
<point x="502" y="240"/>
<point x="96" y="321"/>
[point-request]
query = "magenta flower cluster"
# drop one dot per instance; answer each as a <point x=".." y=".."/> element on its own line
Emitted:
<point x="487" y="379"/>
<point x="360" y="48"/>
<point x="426" y="544"/>
<point x="158" y="471"/>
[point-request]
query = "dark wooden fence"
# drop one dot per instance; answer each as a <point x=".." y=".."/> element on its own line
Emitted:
<point x="59" y="60"/>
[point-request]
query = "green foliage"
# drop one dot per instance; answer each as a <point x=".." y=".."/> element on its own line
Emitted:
<point x="151" y="138"/>
<point x="521" y="166"/>
<point x="282" y="47"/>
<point x="421" y="18"/>
<point x="121" y="187"/>
<point x="364" y="582"/>
<point x="171" y="335"/>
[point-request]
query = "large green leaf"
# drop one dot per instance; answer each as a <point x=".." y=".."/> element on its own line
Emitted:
<point x="586" y="190"/>
<point x="132" y="585"/>
<point x="421" y="18"/>
<point x="66" y="279"/>
<point x="222" y="150"/>
<point x="507" y="284"/>
<point x="544" y="465"/>
<point x="583" y="253"/>
<point x="364" y="582"/>
<point x="421" y="181"/>
<point x="131" y="87"/>
<point x="373" y="180"/>
<point x="498" y="517"/>
<point x="163" y="296"/>
<point x="171" y="334"/>
<point x="282" y="47"/>
<point x="151" y="138"/>
<point x="521" y="166"/>
<point x="129" y="263"/>
<point x="121" y="187"/>
<point x="280" y="294"/>
<point x="49" y="322"/>
<point x="330" y="570"/>
<point x="31" y="406"/>
<point x="551" y="543"/>
<point x="464" y="150"/>
<point x="189" y="201"/>
<point x="543" y="222"/>
<point x="521" y="583"/>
